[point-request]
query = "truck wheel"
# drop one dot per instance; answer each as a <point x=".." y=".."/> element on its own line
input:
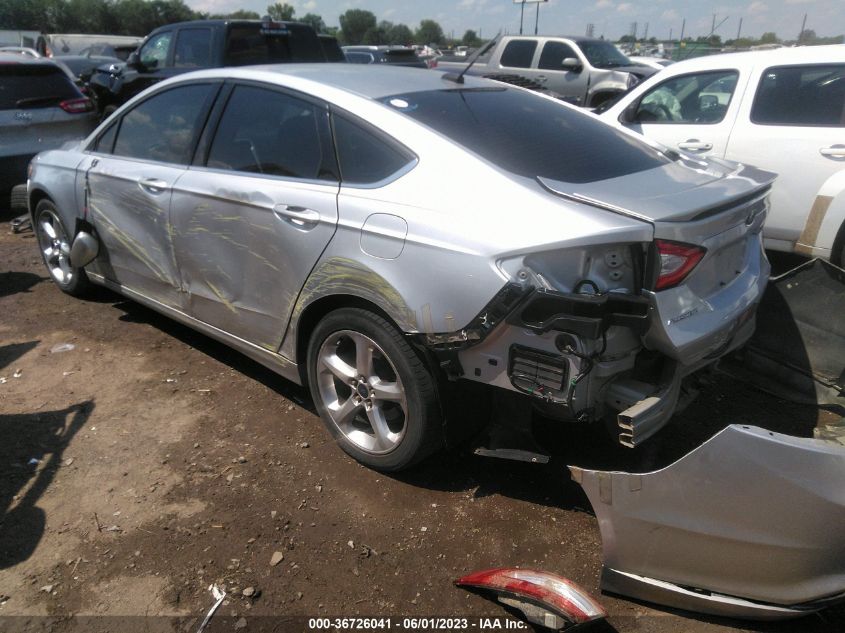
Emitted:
<point x="18" y="200"/>
<point x="375" y="395"/>
<point x="54" y="244"/>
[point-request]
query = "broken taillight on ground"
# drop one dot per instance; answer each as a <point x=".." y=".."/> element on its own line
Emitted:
<point x="544" y="598"/>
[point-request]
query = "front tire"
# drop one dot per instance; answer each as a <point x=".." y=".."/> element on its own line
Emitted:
<point x="54" y="243"/>
<point x="373" y="392"/>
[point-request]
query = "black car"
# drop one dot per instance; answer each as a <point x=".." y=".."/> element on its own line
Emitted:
<point x="185" y="46"/>
<point x="393" y="55"/>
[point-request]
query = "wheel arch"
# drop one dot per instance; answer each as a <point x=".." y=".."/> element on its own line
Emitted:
<point x="315" y="311"/>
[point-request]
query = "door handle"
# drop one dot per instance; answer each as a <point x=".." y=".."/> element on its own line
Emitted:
<point x="299" y="216"/>
<point x="154" y="186"/>
<point x="694" y="145"/>
<point x="834" y="151"/>
<point x="541" y="78"/>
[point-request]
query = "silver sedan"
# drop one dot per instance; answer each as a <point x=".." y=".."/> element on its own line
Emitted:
<point x="376" y="233"/>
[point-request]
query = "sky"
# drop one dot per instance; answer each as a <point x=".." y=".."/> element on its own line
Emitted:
<point x="612" y="18"/>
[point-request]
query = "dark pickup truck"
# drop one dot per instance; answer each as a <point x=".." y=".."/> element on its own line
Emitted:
<point x="185" y="46"/>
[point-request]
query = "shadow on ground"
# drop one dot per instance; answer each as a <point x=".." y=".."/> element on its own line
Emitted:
<point x="31" y="448"/>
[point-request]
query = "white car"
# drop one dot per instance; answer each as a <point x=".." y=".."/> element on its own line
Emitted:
<point x="782" y="110"/>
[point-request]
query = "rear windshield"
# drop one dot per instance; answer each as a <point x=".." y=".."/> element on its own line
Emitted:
<point x="247" y="45"/>
<point x="529" y="135"/>
<point x="402" y="54"/>
<point x="26" y="86"/>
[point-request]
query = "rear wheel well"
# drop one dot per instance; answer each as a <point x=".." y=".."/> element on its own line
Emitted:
<point x="315" y="312"/>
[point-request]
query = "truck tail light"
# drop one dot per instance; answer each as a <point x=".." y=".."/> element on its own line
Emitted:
<point x="522" y="588"/>
<point x="676" y="262"/>
<point x="77" y="106"/>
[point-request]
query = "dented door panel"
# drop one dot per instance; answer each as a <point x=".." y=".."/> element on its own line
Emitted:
<point x="129" y="204"/>
<point x="245" y="246"/>
<point x="750" y="515"/>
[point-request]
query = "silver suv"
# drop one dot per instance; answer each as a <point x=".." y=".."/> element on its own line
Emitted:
<point x="40" y="109"/>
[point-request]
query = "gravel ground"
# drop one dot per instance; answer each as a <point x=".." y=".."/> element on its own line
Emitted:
<point x="149" y="461"/>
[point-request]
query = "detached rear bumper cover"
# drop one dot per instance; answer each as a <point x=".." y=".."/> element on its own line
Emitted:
<point x="747" y="525"/>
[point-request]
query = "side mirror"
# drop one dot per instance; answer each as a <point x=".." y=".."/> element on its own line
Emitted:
<point x="134" y="61"/>
<point x="571" y="64"/>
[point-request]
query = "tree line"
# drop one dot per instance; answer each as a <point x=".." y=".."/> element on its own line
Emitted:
<point x="139" y="17"/>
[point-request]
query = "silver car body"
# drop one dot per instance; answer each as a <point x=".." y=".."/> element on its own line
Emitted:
<point x="743" y="526"/>
<point x="455" y="250"/>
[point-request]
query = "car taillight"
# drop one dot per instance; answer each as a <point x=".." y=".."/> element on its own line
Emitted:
<point x="676" y="262"/>
<point x="77" y="106"/>
<point x="559" y="595"/>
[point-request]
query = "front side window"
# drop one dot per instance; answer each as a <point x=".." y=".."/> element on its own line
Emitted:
<point x="154" y="53"/>
<point x="801" y="95"/>
<point x="105" y="142"/>
<point x="519" y="53"/>
<point x="365" y="157"/>
<point x="694" y="98"/>
<point x="553" y="55"/>
<point x="267" y="132"/>
<point x="165" y="127"/>
<point x="527" y="134"/>
<point x="193" y="48"/>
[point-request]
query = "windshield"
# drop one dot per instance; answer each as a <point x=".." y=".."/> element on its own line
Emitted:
<point x="528" y="135"/>
<point x="604" y="55"/>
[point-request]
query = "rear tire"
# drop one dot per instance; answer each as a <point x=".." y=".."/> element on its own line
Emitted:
<point x="54" y="243"/>
<point x="375" y="395"/>
<point x="18" y="199"/>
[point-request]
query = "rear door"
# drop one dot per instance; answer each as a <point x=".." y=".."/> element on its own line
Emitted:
<point x="130" y="178"/>
<point x="694" y="112"/>
<point x="795" y="126"/>
<point x="252" y="218"/>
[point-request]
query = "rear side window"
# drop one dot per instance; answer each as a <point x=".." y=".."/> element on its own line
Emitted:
<point x="553" y="55"/>
<point x="272" y="133"/>
<point x="26" y="86"/>
<point x="366" y="157"/>
<point x="801" y="95"/>
<point x="529" y="135"/>
<point x="193" y="48"/>
<point x="250" y="44"/>
<point x="165" y="127"/>
<point x="519" y="53"/>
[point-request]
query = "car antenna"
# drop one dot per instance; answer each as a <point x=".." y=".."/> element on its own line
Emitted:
<point x="459" y="78"/>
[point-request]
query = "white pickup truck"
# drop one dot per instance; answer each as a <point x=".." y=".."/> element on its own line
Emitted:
<point x="781" y="110"/>
<point x="581" y="70"/>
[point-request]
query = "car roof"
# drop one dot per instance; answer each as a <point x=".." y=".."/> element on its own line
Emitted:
<point x="784" y="56"/>
<point x="373" y="82"/>
<point x="26" y="60"/>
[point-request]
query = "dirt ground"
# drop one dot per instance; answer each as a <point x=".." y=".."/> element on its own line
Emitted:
<point x="149" y="461"/>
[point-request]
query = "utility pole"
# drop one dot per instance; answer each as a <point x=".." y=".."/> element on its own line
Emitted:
<point x="683" y="28"/>
<point x="803" y="25"/>
<point x="537" y="19"/>
<point x="645" y="35"/>
<point x="521" y="15"/>
<point x="591" y="30"/>
<point x="634" y="30"/>
<point x="670" y="33"/>
<point x="739" y="30"/>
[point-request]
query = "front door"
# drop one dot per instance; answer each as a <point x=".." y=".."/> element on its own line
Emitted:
<point x="693" y="113"/>
<point x="251" y="222"/>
